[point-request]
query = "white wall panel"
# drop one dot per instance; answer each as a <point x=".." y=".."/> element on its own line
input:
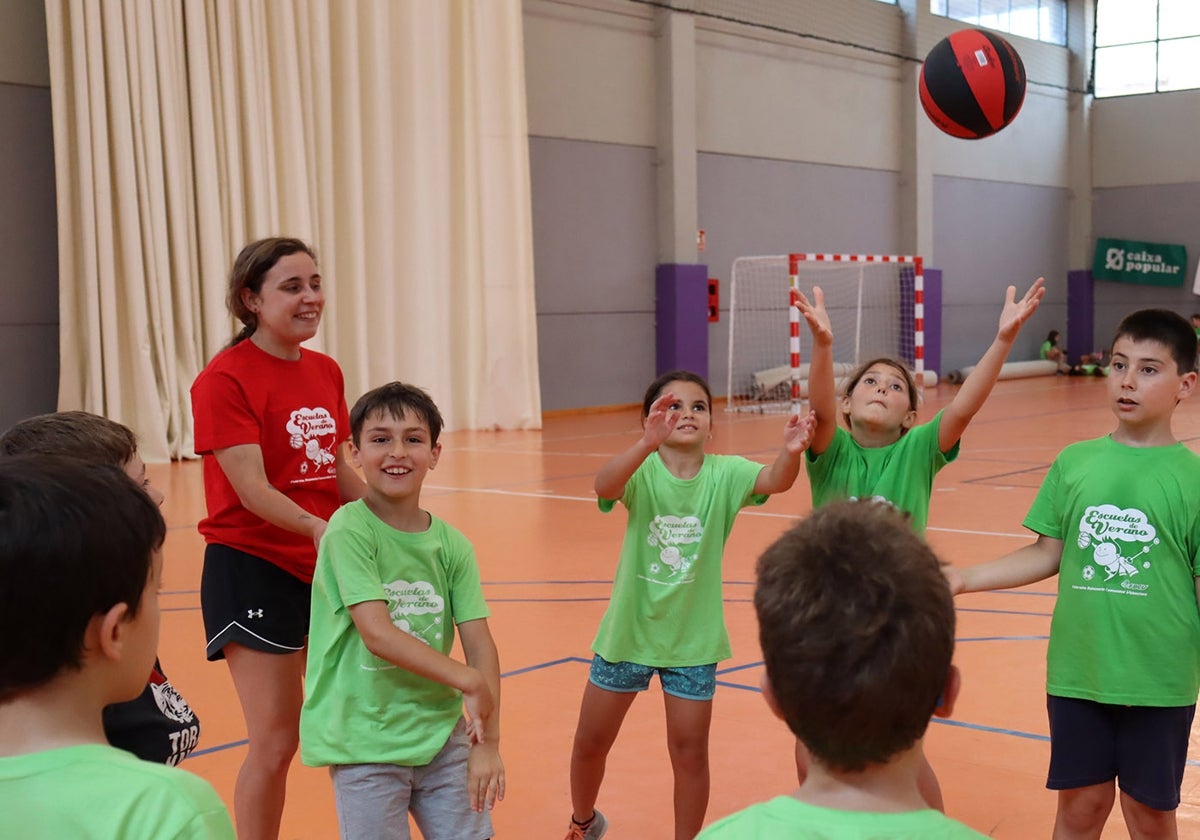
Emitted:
<point x="1146" y="140"/>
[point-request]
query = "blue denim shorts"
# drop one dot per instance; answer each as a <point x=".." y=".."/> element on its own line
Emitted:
<point x="694" y="682"/>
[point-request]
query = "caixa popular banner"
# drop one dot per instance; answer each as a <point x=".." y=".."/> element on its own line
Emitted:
<point x="1145" y="263"/>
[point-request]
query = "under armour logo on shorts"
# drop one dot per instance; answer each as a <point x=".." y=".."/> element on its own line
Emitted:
<point x="254" y="613"/>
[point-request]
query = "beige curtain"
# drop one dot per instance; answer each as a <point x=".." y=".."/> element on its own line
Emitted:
<point x="391" y="134"/>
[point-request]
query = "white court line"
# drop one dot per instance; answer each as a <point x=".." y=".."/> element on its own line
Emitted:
<point x="763" y="513"/>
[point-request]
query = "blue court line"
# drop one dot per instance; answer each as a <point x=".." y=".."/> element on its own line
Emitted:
<point x="541" y="666"/>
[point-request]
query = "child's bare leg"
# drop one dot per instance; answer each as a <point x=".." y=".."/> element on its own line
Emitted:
<point x="688" y="723"/>
<point x="928" y="785"/>
<point x="271" y="691"/>
<point x="1083" y="811"/>
<point x="600" y="716"/>
<point x="1146" y="823"/>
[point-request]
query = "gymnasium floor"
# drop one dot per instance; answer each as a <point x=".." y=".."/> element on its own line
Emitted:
<point x="547" y="557"/>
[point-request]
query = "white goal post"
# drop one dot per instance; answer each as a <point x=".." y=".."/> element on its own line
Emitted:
<point x="876" y="307"/>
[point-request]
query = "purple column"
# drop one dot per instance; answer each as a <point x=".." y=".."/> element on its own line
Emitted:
<point x="933" y="320"/>
<point x="681" y="310"/>
<point x="1081" y="315"/>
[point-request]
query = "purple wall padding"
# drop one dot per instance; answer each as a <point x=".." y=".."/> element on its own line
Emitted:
<point x="681" y="310"/>
<point x="933" y="320"/>
<point x="1081" y="314"/>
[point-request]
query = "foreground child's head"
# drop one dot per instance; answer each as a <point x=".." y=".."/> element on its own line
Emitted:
<point x="1152" y="367"/>
<point x="82" y="435"/>
<point x="856" y="623"/>
<point x="693" y="402"/>
<point x="881" y="391"/>
<point x="79" y="556"/>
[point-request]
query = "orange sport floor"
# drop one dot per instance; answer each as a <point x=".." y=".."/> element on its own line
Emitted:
<point x="547" y="558"/>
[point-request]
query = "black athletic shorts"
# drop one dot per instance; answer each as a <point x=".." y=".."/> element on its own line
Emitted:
<point x="248" y="600"/>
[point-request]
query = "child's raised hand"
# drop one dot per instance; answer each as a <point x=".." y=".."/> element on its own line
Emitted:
<point x="661" y="420"/>
<point x="798" y="433"/>
<point x="816" y="316"/>
<point x="1017" y="312"/>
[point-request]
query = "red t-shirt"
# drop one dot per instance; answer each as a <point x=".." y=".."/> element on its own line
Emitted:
<point x="295" y="411"/>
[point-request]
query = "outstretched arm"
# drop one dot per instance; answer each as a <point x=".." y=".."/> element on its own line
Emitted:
<point x="657" y="427"/>
<point x="781" y="475"/>
<point x="822" y="393"/>
<point x="485" y="770"/>
<point x="1029" y="564"/>
<point x="979" y="383"/>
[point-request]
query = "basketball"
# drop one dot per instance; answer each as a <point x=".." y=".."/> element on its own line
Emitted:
<point x="972" y="84"/>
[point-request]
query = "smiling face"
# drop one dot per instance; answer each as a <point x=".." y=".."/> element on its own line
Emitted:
<point x="288" y="306"/>
<point x="695" y="413"/>
<point x="395" y="454"/>
<point x="1144" y="383"/>
<point x="881" y="399"/>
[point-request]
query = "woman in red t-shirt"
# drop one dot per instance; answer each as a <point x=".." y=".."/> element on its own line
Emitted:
<point x="270" y="423"/>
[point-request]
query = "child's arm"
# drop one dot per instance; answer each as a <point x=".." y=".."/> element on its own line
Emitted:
<point x="657" y="427"/>
<point x="389" y="642"/>
<point x="822" y="391"/>
<point x="485" y="770"/>
<point x="975" y="389"/>
<point x="781" y="475"/>
<point x="1030" y="564"/>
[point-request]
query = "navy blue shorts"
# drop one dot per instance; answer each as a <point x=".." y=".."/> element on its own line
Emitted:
<point x="694" y="682"/>
<point x="1143" y="747"/>
<point x="248" y="600"/>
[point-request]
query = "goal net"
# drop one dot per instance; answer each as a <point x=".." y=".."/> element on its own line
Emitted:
<point x="875" y="305"/>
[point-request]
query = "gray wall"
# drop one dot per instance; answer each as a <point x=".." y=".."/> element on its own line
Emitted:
<point x="28" y="226"/>
<point x="593" y="248"/>
<point x="988" y="235"/>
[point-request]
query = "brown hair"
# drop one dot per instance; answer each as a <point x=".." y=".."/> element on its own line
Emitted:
<point x="666" y="379"/>
<point x="74" y="434"/>
<point x="856" y="624"/>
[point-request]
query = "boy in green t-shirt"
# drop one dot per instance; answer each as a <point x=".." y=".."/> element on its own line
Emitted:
<point x="1118" y="520"/>
<point x="383" y="700"/>
<point x="856" y="625"/>
<point x="80" y="567"/>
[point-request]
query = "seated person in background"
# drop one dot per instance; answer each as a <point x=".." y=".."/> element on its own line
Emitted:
<point x="80" y="566"/>
<point x="1052" y="352"/>
<point x="856" y="624"/>
<point x="158" y="725"/>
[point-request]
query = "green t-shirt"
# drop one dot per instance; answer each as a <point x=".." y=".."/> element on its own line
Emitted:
<point x="98" y="792"/>
<point x="1046" y="345"/>
<point x="786" y="816"/>
<point x="901" y="473"/>
<point x="358" y="708"/>
<point x="666" y="609"/>
<point x="1126" y="628"/>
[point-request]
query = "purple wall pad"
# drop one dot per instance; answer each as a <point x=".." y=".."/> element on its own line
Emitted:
<point x="1081" y="314"/>
<point x="933" y="320"/>
<point x="681" y="314"/>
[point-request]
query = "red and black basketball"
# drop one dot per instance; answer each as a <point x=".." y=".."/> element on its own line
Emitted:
<point x="972" y="84"/>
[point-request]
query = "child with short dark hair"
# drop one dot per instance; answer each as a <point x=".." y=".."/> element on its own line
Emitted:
<point x="383" y="705"/>
<point x="1118" y="520"/>
<point x="80" y="564"/>
<point x="158" y="725"/>
<point x="856" y="624"/>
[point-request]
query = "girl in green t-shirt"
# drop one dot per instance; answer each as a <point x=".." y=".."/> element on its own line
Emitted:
<point x="883" y="452"/>
<point x="665" y="615"/>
